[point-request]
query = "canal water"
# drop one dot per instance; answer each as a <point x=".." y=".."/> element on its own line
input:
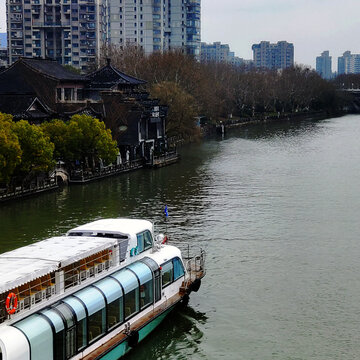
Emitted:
<point x="277" y="209"/>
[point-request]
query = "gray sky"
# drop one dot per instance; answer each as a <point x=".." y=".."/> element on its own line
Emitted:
<point x="312" y="25"/>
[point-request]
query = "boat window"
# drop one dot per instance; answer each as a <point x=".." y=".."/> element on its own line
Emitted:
<point x="113" y="293"/>
<point x="78" y="308"/>
<point x="59" y="336"/>
<point x="167" y="273"/>
<point x="142" y="271"/>
<point x="146" y="294"/>
<point x="178" y="268"/>
<point x="55" y="319"/>
<point x="92" y="298"/>
<point x="81" y="334"/>
<point x="97" y="325"/>
<point x="148" y="242"/>
<point x="131" y="303"/>
<point x="39" y="333"/>
<point x="66" y="313"/>
<point x="157" y="285"/>
<point x="70" y="341"/>
<point x="127" y="279"/>
<point x="130" y="284"/>
<point x="140" y="242"/>
<point x="70" y="331"/>
<point x="115" y="313"/>
<point x="95" y="304"/>
<point x="144" y="241"/>
<point x="110" y="288"/>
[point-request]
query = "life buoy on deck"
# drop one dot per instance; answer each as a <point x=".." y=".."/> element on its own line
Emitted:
<point x="165" y="239"/>
<point x="133" y="338"/>
<point x="11" y="303"/>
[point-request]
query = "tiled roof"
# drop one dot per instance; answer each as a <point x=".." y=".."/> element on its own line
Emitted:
<point x="52" y="68"/>
<point x="12" y="82"/>
<point x="108" y="77"/>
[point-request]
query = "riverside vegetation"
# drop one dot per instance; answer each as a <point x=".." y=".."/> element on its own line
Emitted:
<point x="26" y="150"/>
<point x="216" y="90"/>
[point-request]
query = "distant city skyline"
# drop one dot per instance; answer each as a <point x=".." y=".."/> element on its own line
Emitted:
<point x="313" y="26"/>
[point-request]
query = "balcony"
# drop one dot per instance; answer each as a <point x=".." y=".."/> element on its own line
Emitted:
<point x="16" y="8"/>
<point x="49" y="24"/>
<point x="16" y="26"/>
<point x="17" y="52"/>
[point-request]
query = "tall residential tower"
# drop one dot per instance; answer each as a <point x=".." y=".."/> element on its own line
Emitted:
<point x="349" y="63"/>
<point x="273" y="56"/>
<point x="323" y="65"/>
<point x="72" y="31"/>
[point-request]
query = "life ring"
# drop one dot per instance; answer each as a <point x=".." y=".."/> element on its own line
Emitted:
<point x="165" y="239"/>
<point x="11" y="303"/>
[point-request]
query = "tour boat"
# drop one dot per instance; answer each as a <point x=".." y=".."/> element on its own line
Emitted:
<point x="93" y="293"/>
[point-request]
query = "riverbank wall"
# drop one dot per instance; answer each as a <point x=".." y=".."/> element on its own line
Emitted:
<point x="222" y="125"/>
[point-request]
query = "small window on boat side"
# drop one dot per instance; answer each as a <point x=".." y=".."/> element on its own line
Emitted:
<point x="178" y="268"/>
<point x="167" y="273"/>
<point x="144" y="241"/>
<point x="140" y="242"/>
<point x="148" y="242"/>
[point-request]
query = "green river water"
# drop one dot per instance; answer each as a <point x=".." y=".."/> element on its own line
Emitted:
<point x="276" y="208"/>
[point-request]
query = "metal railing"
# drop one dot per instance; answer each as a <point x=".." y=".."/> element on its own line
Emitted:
<point x="194" y="260"/>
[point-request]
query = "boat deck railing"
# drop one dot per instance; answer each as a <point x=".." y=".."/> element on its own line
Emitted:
<point x="194" y="260"/>
<point x="39" y="290"/>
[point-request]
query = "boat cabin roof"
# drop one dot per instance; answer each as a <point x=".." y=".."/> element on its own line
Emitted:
<point x="28" y="263"/>
<point x="114" y="226"/>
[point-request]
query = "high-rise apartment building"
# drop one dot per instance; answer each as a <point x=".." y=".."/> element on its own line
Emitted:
<point x="323" y="65"/>
<point x="273" y="56"/>
<point x="349" y="63"/>
<point x="218" y="52"/>
<point x="215" y="52"/>
<point x="155" y="25"/>
<point x="73" y="31"/>
<point x="69" y="31"/>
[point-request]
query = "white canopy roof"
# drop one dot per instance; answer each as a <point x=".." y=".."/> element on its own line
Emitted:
<point x="116" y="226"/>
<point x="22" y="265"/>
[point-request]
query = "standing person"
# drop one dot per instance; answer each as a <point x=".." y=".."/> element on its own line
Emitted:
<point x="127" y="157"/>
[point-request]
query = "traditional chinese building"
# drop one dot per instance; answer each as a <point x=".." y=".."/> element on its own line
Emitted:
<point x="39" y="89"/>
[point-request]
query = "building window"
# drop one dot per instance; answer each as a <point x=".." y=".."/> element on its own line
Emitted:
<point x="68" y="94"/>
<point x="58" y="94"/>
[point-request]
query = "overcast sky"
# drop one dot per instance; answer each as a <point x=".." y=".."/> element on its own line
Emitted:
<point x="311" y="25"/>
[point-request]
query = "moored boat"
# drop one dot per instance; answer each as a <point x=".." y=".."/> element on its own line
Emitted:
<point x="94" y="293"/>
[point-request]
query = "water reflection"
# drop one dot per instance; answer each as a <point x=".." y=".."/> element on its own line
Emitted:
<point x="275" y="130"/>
<point x="141" y="194"/>
<point x="178" y="337"/>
